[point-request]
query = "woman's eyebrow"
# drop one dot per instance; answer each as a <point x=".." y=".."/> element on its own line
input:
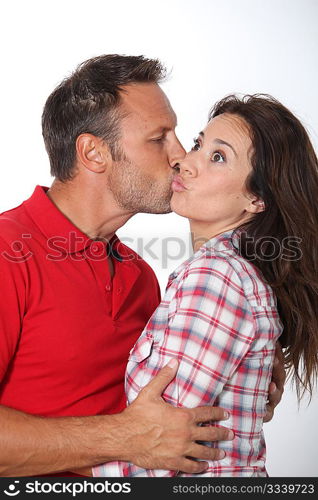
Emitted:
<point x="220" y="141"/>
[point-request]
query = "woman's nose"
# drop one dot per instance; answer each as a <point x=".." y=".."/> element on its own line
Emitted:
<point x="187" y="168"/>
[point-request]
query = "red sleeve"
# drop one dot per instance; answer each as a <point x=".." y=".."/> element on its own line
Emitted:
<point x="158" y="292"/>
<point x="12" y="302"/>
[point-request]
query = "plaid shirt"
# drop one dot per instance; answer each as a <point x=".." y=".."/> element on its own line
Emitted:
<point x="219" y="319"/>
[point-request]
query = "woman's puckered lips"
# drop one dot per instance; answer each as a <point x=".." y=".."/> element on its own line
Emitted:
<point x="177" y="184"/>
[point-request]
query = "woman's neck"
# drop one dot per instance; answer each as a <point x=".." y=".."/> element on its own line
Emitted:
<point x="201" y="232"/>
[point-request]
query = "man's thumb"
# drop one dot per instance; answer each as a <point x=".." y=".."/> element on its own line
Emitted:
<point x="158" y="384"/>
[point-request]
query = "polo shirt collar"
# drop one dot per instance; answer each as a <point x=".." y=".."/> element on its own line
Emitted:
<point x="56" y="227"/>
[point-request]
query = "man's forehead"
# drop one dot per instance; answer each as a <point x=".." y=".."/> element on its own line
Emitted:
<point x="149" y="102"/>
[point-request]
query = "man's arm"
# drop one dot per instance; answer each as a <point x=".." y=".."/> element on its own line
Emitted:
<point x="150" y="433"/>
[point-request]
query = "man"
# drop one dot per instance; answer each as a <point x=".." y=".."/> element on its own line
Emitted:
<point x="75" y="299"/>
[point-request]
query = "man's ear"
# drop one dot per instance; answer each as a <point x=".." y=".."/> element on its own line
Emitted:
<point x="255" y="205"/>
<point x="92" y="153"/>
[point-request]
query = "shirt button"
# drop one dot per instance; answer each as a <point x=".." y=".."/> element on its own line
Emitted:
<point x="108" y="288"/>
<point x="119" y="290"/>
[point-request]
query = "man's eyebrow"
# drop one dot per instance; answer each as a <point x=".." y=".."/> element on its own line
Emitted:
<point x="164" y="129"/>
<point x="160" y="129"/>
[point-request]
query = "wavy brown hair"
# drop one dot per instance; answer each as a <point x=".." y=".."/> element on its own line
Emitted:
<point x="282" y="241"/>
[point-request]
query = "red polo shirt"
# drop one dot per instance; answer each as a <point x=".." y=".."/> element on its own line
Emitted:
<point x="66" y="326"/>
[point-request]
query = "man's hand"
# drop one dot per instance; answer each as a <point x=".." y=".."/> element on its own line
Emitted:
<point x="160" y="436"/>
<point x="276" y="387"/>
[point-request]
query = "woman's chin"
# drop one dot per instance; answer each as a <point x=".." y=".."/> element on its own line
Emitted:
<point x="177" y="208"/>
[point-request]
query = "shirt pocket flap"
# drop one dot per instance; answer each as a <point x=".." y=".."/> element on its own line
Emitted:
<point x="142" y="349"/>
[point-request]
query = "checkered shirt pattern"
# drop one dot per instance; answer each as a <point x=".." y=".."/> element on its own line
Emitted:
<point x="219" y="319"/>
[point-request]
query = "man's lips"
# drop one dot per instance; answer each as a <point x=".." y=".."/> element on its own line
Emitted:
<point x="177" y="184"/>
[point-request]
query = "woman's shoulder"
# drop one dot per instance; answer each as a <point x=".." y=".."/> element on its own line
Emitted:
<point x="211" y="272"/>
<point x="227" y="266"/>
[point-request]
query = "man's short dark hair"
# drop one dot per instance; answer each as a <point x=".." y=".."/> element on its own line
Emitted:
<point x="88" y="102"/>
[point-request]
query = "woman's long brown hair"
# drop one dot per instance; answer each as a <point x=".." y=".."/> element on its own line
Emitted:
<point x="282" y="241"/>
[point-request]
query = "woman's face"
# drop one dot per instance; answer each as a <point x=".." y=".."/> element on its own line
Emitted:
<point x="211" y="184"/>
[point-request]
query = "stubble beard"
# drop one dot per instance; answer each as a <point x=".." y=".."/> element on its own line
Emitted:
<point x="136" y="192"/>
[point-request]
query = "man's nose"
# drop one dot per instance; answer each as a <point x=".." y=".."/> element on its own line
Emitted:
<point x="177" y="155"/>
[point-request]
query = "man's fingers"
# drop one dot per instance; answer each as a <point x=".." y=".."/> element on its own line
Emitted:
<point x="279" y="352"/>
<point x="203" y="453"/>
<point x="206" y="453"/>
<point x="276" y="387"/>
<point x="192" y="467"/>
<point x="210" y="434"/>
<point x="85" y="471"/>
<point x="207" y="413"/>
<point x="274" y="397"/>
<point x="158" y="384"/>
<point x="269" y="414"/>
<point x="272" y="388"/>
<point x="279" y="374"/>
<point x="275" y="394"/>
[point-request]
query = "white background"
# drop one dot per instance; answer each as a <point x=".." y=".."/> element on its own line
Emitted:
<point x="213" y="48"/>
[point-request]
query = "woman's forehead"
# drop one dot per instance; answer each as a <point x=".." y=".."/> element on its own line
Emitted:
<point x="231" y="128"/>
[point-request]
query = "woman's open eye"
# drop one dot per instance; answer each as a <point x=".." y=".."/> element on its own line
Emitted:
<point x="196" y="145"/>
<point x="217" y="157"/>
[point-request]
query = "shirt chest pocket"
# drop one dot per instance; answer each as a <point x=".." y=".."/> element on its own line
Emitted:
<point x="138" y="374"/>
<point x="142" y="348"/>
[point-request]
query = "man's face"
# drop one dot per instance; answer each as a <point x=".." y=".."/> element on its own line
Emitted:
<point x="141" y="180"/>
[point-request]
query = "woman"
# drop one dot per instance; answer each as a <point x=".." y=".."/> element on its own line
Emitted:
<point x="249" y="188"/>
